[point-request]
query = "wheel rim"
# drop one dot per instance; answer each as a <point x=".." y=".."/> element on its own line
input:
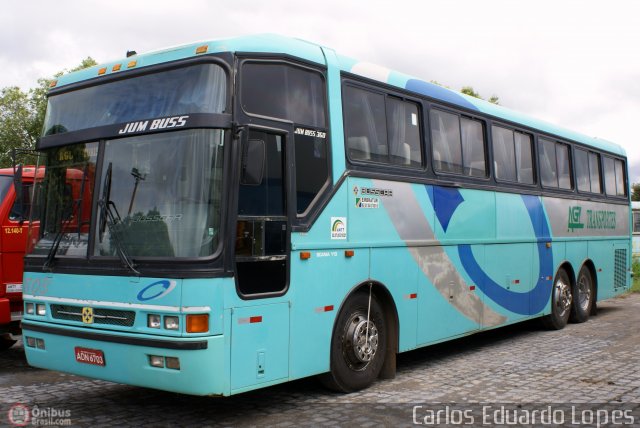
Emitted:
<point x="584" y="292"/>
<point x="562" y="297"/>
<point x="359" y="351"/>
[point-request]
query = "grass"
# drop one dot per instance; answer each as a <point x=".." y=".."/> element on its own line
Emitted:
<point x="635" y="287"/>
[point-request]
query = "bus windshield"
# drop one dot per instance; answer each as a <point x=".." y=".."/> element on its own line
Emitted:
<point x="194" y="89"/>
<point x="158" y="195"/>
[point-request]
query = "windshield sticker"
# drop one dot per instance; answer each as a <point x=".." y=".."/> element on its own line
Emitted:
<point x="151" y="125"/>
<point x="156" y="290"/>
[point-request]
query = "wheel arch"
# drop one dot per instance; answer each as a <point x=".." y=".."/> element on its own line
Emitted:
<point x="390" y="310"/>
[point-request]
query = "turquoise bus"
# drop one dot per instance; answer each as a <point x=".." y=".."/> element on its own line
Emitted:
<point x="262" y="209"/>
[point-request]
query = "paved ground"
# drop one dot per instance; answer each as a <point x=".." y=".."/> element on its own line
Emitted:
<point x="585" y="372"/>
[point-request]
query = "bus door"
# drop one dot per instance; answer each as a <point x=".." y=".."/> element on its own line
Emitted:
<point x="260" y="326"/>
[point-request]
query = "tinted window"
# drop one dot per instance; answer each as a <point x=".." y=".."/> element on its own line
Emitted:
<point x="594" y="172"/>
<point x="5" y="184"/>
<point x="403" y="132"/>
<point x="285" y="92"/>
<point x="445" y="134"/>
<point x="609" y="176"/>
<point x="548" y="166"/>
<point x="524" y="157"/>
<point x="458" y="144"/>
<point x="587" y="171"/>
<point x="365" y="125"/>
<point x="555" y="168"/>
<point x="381" y="128"/>
<point x="195" y="89"/>
<point x="583" y="180"/>
<point x="473" y="157"/>
<point x="312" y="168"/>
<point x="636" y="222"/>
<point x="504" y="154"/>
<point x="621" y="189"/>
<point x="564" y="171"/>
<point x="512" y="155"/>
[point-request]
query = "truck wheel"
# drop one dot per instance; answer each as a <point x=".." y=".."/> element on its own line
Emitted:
<point x="561" y="299"/>
<point x="583" y="296"/>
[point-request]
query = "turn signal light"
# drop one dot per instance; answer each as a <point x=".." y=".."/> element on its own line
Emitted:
<point x="198" y="323"/>
<point x="202" y="49"/>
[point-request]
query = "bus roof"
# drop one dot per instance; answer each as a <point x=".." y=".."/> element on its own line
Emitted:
<point x="272" y="43"/>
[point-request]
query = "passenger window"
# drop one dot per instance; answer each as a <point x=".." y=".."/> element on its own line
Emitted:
<point x="555" y="168"/>
<point x="445" y="134"/>
<point x="609" y="176"/>
<point x="587" y="171"/>
<point x="583" y="179"/>
<point x="381" y="128"/>
<point x="594" y="172"/>
<point x="512" y="155"/>
<point x="458" y="144"/>
<point x="621" y="189"/>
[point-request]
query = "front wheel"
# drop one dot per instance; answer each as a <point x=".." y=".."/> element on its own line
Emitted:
<point x="357" y="345"/>
<point x="583" y="296"/>
<point x="6" y="342"/>
<point x="561" y="300"/>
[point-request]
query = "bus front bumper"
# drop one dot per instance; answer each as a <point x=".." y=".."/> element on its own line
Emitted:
<point x="194" y="366"/>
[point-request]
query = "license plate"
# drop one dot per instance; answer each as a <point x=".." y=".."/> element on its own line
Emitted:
<point x="89" y="356"/>
<point x="14" y="288"/>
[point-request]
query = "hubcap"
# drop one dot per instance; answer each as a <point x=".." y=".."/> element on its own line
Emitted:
<point x="563" y="297"/>
<point x="358" y="350"/>
<point x="584" y="292"/>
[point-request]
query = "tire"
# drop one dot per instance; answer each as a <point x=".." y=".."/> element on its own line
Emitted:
<point x="6" y="342"/>
<point x="561" y="302"/>
<point x="354" y="364"/>
<point x="583" y="296"/>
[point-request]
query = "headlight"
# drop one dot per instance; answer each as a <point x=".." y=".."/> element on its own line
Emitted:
<point x="171" y="323"/>
<point x="156" y="361"/>
<point x="41" y="309"/>
<point x="153" y="321"/>
<point x="29" y="308"/>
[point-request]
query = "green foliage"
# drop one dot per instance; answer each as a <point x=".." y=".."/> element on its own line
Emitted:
<point x="635" y="266"/>
<point x="22" y="114"/>
<point x="468" y="90"/>
<point x="635" y="192"/>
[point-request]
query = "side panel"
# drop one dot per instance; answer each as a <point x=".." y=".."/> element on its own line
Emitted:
<point x="259" y="345"/>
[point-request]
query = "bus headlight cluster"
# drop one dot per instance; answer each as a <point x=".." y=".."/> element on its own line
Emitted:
<point x="170" y="322"/>
<point x="35" y="309"/>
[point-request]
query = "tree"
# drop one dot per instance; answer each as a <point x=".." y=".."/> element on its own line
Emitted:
<point x="635" y="192"/>
<point x="468" y="90"/>
<point x="22" y="114"/>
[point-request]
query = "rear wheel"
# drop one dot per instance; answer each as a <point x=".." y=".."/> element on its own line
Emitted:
<point x="583" y="296"/>
<point x="561" y="299"/>
<point x="357" y="345"/>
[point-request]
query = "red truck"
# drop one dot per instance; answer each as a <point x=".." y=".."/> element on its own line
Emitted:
<point x="14" y="222"/>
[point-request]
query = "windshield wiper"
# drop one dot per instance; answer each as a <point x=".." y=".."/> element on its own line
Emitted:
<point x="110" y="217"/>
<point x="48" y="264"/>
<point x="75" y="207"/>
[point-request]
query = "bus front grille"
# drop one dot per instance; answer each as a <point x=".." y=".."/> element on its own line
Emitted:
<point x="100" y="315"/>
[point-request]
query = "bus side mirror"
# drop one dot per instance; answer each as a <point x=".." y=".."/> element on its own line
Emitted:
<point x="253" y="158"/>
<point x="17" y="185"/>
